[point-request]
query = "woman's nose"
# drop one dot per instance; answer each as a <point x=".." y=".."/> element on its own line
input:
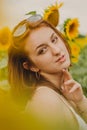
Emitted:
<point x="55" y="50"/>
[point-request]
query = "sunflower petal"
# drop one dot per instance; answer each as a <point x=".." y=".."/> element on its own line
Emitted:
<point x="5" y="38"/>
<point x="51" y="14"/>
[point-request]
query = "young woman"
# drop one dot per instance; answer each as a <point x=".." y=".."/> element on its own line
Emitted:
<point x="38" y="63"/>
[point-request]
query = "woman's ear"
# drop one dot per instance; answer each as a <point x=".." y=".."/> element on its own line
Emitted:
<point x="26" y="65"/>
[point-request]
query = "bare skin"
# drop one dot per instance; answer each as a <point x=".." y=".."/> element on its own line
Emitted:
<point x="71" y="89"/>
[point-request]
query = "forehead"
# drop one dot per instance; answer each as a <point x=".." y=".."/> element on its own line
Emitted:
<point x="38" y="36"/>
<point x="40" y="33"/>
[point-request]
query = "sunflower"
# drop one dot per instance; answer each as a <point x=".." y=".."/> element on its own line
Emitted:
<point x="5" y="38"/>
<point x="71" y="28"/>
<point x="75" y="51"/>
<point x="51" y="14"/>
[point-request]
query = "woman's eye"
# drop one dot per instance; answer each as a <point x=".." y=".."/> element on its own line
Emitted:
<point x="43" y="50"/>
<point x="54" y="40"/>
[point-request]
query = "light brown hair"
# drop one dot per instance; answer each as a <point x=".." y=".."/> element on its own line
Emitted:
<point x="20" y="78"/>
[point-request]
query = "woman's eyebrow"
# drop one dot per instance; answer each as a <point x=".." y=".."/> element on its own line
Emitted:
<point x="52" y="35"/>
<point x="40" y="46"/>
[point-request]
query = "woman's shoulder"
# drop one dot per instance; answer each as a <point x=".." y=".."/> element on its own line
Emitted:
<point x="45" y="93"/>
<point x="45" y="98"/>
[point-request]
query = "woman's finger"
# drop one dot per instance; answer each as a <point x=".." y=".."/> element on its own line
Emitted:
<point x="69" y="82"/>
<point x="67" y="75"/>
<point x="74" y="88"/>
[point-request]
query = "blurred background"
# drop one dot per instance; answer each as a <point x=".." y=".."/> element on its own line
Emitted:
<point x="13" y="11"/>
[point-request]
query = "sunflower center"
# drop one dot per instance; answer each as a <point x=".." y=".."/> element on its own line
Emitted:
<point x="72" y="27"/>
<point x="3" y="41"/>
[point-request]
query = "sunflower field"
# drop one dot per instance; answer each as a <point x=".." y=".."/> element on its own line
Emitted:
<point x="79" y="70"/>
<point x="5" y="41"/>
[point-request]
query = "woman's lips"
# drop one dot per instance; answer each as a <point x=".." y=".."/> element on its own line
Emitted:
<point x="61" y="59"/>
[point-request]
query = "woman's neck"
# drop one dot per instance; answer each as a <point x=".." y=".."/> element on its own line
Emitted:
<point x="56" y="79"/>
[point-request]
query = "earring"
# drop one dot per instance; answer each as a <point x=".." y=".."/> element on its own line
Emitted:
<point x="37" y="75"/>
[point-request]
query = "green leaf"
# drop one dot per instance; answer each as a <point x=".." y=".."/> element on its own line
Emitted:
<point x="81" y="36"/>
<point x="31" y="13"/>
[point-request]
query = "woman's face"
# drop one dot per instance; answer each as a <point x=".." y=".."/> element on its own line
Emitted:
<point x="47" y="50"/>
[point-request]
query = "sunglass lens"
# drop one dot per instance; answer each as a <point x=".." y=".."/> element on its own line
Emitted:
<point x="20" y="30"/>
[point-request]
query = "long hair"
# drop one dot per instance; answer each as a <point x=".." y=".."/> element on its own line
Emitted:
<point x="21" y="79"/>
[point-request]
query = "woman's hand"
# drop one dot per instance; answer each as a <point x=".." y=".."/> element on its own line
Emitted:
<point x="71" y="89"/>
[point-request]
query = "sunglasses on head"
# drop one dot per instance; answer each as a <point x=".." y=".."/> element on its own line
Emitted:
<point x="24" y="26"/>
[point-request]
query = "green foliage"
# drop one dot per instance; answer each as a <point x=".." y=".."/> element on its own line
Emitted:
<point x="31" y="13"/>
<point x="79" y="70"/>
<point x="3" y="70"/>
<point x="65" y="23"/>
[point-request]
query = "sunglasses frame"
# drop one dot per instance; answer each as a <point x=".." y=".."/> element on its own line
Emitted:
<point x="23" y="27"/>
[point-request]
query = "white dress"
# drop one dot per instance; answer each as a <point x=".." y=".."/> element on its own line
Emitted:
<point x="81" y="122"/>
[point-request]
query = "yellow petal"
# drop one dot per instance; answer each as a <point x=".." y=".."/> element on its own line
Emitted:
<point x="5" y="38"/>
